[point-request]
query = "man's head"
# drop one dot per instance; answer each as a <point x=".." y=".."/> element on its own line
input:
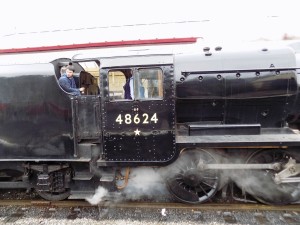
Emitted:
<point x="70" y="71"/>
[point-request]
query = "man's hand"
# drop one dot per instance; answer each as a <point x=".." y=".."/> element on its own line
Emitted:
<point x="82" y="90"/>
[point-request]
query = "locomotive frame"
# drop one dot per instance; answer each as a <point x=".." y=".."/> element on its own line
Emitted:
<point x="213" y="112"/>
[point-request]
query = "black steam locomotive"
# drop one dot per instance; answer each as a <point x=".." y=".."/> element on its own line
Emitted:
<point x="207" y="118"/>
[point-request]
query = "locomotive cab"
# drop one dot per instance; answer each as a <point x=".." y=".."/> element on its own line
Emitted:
<point x="137" y="110"/>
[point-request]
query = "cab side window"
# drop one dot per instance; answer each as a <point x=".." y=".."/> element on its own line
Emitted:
<point x="149" y="84"/>
<point x="135" y="84"/>
<point x="116" y="81"/>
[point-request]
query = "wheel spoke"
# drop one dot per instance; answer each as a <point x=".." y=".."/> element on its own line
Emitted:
<point x="210" y="178"/>
<point x="207" y="184"/>
<point x="203" y="190"/>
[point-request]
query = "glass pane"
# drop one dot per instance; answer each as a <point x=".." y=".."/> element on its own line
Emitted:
<point x="116" y="80"/>
<point x="150" y="84"/>
<point x="120" y="84"/>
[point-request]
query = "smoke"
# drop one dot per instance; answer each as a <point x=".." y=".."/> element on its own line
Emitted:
<point x="260" y="184"/>
<point x="145" y="183"/>
<point x="99" y="195"/>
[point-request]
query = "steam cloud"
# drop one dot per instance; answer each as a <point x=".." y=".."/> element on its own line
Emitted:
<point x="149" y="183"/>
<point x="98" y="196"/>
<point x="144" y="183"/>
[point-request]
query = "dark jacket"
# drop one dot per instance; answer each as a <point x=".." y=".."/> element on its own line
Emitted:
<point x="127" y="88"/>
<point x="68" y="85"/>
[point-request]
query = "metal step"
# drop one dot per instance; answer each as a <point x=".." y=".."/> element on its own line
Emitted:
<point x="107" y="178"/>
<point x="83" y="176"/>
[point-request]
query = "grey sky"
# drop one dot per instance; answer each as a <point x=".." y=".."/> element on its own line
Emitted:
<point x="239" y="19"/>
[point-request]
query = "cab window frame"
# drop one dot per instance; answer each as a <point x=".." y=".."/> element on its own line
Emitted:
<point x="146" y="80"/>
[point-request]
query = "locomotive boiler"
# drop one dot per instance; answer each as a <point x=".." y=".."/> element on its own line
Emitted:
<point x="205" y="119"/>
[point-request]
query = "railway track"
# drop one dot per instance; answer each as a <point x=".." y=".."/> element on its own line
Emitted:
<point x="151" y="205"/>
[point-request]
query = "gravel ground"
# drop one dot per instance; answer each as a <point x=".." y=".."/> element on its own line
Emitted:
<point x="18" y="194"/>
<point x="131" y="216"/>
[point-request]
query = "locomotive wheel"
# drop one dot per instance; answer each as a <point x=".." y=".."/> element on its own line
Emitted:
<point x="262" y="186"/>
<point x="187" y="183"/>
<point x="53" y="196"/>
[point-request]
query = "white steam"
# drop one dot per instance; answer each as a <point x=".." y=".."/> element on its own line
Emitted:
<point x="143" y="183"/>
<point x="146" y="183"/>
<point x="98" y="196"/>
<point x="259" y="184"/>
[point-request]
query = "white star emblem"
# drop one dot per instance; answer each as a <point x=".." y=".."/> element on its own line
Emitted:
<point x="137" y="132"/>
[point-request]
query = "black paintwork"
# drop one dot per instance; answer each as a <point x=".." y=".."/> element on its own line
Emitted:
<point x="225" y="98"/>
<point x="41" y="121"/>
<point x="35" y="114"/>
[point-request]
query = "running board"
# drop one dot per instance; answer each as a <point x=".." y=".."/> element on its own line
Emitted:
<point x="261" y="140"/>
